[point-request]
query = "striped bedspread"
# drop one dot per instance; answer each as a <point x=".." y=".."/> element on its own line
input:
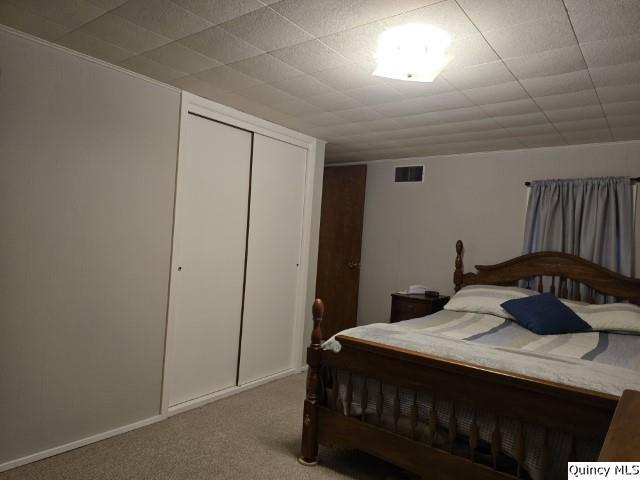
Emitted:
<point x="609" y="348"/>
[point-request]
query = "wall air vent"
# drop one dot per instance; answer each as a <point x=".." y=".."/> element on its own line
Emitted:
<point x="409" y="174"/>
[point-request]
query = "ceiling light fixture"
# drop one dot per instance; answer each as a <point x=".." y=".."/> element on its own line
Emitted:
<point x="413" y="52"/>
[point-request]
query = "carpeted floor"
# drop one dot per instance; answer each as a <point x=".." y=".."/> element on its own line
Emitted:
<point x="255" y="434"/>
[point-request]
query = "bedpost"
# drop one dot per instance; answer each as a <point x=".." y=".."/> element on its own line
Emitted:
<point x="309" y="450"/>
<point x="457" y="273"/>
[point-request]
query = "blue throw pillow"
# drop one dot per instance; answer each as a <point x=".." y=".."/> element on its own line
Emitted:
<point x="545" y="315"/>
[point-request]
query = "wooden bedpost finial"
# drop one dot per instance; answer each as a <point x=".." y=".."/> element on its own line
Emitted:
<point x="318" y="313"/>
<point x="309" y="448"/>
<point x="458" y="273"/>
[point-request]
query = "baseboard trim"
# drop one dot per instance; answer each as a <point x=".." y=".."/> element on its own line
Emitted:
<point x="78" y="443"/>
<point x="212" y="397"/>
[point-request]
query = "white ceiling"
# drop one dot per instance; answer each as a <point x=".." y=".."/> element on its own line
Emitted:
<point x="526" y="73"/>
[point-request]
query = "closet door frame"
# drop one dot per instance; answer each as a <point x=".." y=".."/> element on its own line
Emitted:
<point x="221" y="113"/>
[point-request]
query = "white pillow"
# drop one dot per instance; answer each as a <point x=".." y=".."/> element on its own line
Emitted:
<point x="486" y="299"/>
<point x="611" y="317"/>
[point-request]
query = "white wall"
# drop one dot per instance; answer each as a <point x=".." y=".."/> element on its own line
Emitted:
<point x="87" y="174"/>
<point x="313" y="247"/>
<point x="410" y="230"/>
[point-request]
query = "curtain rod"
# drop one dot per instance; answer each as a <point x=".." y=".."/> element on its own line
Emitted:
<point x="633" y="180"/>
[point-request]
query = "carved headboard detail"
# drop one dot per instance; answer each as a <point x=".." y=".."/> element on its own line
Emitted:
<point x="553" y="269"/>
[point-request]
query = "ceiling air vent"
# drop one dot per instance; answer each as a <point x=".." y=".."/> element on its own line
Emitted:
<point x="409" y="174"/>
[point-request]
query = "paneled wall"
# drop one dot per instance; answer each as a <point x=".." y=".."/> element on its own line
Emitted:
<point x="87" y="179"/>
<point x="410" y="229"/>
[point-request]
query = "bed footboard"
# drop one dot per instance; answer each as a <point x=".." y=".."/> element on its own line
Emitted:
<point x="348" y="413"/>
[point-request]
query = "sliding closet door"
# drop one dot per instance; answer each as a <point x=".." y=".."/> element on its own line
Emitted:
<point x="275" y="230"/>
<point x="209" y="255"/>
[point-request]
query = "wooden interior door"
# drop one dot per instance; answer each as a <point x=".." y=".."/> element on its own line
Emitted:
<point x="339" y="249"/>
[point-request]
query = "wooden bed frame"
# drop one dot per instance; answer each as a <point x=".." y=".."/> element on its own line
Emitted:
<point x="578" y="412"/>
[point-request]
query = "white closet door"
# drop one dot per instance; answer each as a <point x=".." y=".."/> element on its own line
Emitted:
<point x="209" y="254"/>
<point x="275" y="231"/>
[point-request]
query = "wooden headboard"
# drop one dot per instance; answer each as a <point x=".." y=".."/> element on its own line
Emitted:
<point x="553" y="269"/>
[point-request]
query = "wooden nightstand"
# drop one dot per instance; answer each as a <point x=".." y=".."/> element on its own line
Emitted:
<point x="404" y="307"/>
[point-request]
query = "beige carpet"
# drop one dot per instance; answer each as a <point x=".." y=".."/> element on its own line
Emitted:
<point x="255" y="434"/>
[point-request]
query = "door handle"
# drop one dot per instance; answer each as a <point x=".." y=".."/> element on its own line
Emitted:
<point x="353" y="265"/>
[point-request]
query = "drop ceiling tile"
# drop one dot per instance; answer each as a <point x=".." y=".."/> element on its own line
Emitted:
<point x="361" y="114"/>
<point x="618" y="121"/>
<point x="575" y="113"/>
<point x="302" y="86"/>
<point x="514" y="107"/>
<point x="621" y="74"/>
<point x="556" y="84"/>
<point x="446" y="116"/>
<point x="578" y="125"/>
<point x="446" y="15"/>
<point x="568" y="100"/>
<point x="28" y="22"/>
<point x="266" y="30"/>
<point x="622" y="108"/>
<point x="163" y="17"/>
<point x="533" y="141"/>
<point x="357" y="44"/>
<point x="468" y="51"/>
<point x="476" y="76"/>
<point x="123" y="33"/>
<point x="503" y="92"/>
<point x="532" y="37"/>
<point x="323" y="119"/>
<point x="227" y="79"/>
<point x="151" y="68"/>
<point x="296" y="107"/>
<point x="619" y="93"/>
<point x="347" y="77"/>
<point x="525" y="119"/>
<point x="265" y="93"/>
<point x="420" y="89"/>
<point x="195" y="85"/>
<point x="339" y="130"/>
<point x="107" y="4"/>
<point x="588" y="136"/>
<point x="219" y="11"/>
<point x="331" y="16"/>
<point x="374" y="94"/>
<point x="612" y="51"/>
<point x="266" y="68"/>
<point x="382" y="124"/>
<point x="603" y="19"/>
<point x="550" y="62"/>
<point x="70" y="14"/>
<point x="179" y="57"/>
<point x="626" y="133"/>
<point x="311" y="56"/>
<point x="491" y="14"/>
<point x="532" y="130"/>
<point x="479" y="125"/>
<point x="445" y="101"/>
<point x="220" y="45"/>
<point x="333" y="101"/>
<point x="95" y="47"/>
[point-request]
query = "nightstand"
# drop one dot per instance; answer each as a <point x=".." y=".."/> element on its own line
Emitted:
<point x="404" y="307"/>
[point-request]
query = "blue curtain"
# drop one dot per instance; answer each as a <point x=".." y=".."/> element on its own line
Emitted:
<point x="588" y="217"/>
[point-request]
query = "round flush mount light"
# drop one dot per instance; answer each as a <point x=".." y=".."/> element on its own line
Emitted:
<point x="414" y="52"/>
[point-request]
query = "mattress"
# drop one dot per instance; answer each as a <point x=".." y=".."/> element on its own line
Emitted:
<point x="616" y="349"/>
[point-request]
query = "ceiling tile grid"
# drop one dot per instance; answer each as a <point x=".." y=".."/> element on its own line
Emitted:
<point x="524" y="73"/>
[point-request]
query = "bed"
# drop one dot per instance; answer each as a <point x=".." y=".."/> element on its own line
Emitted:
<point x="466" y="395"/>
